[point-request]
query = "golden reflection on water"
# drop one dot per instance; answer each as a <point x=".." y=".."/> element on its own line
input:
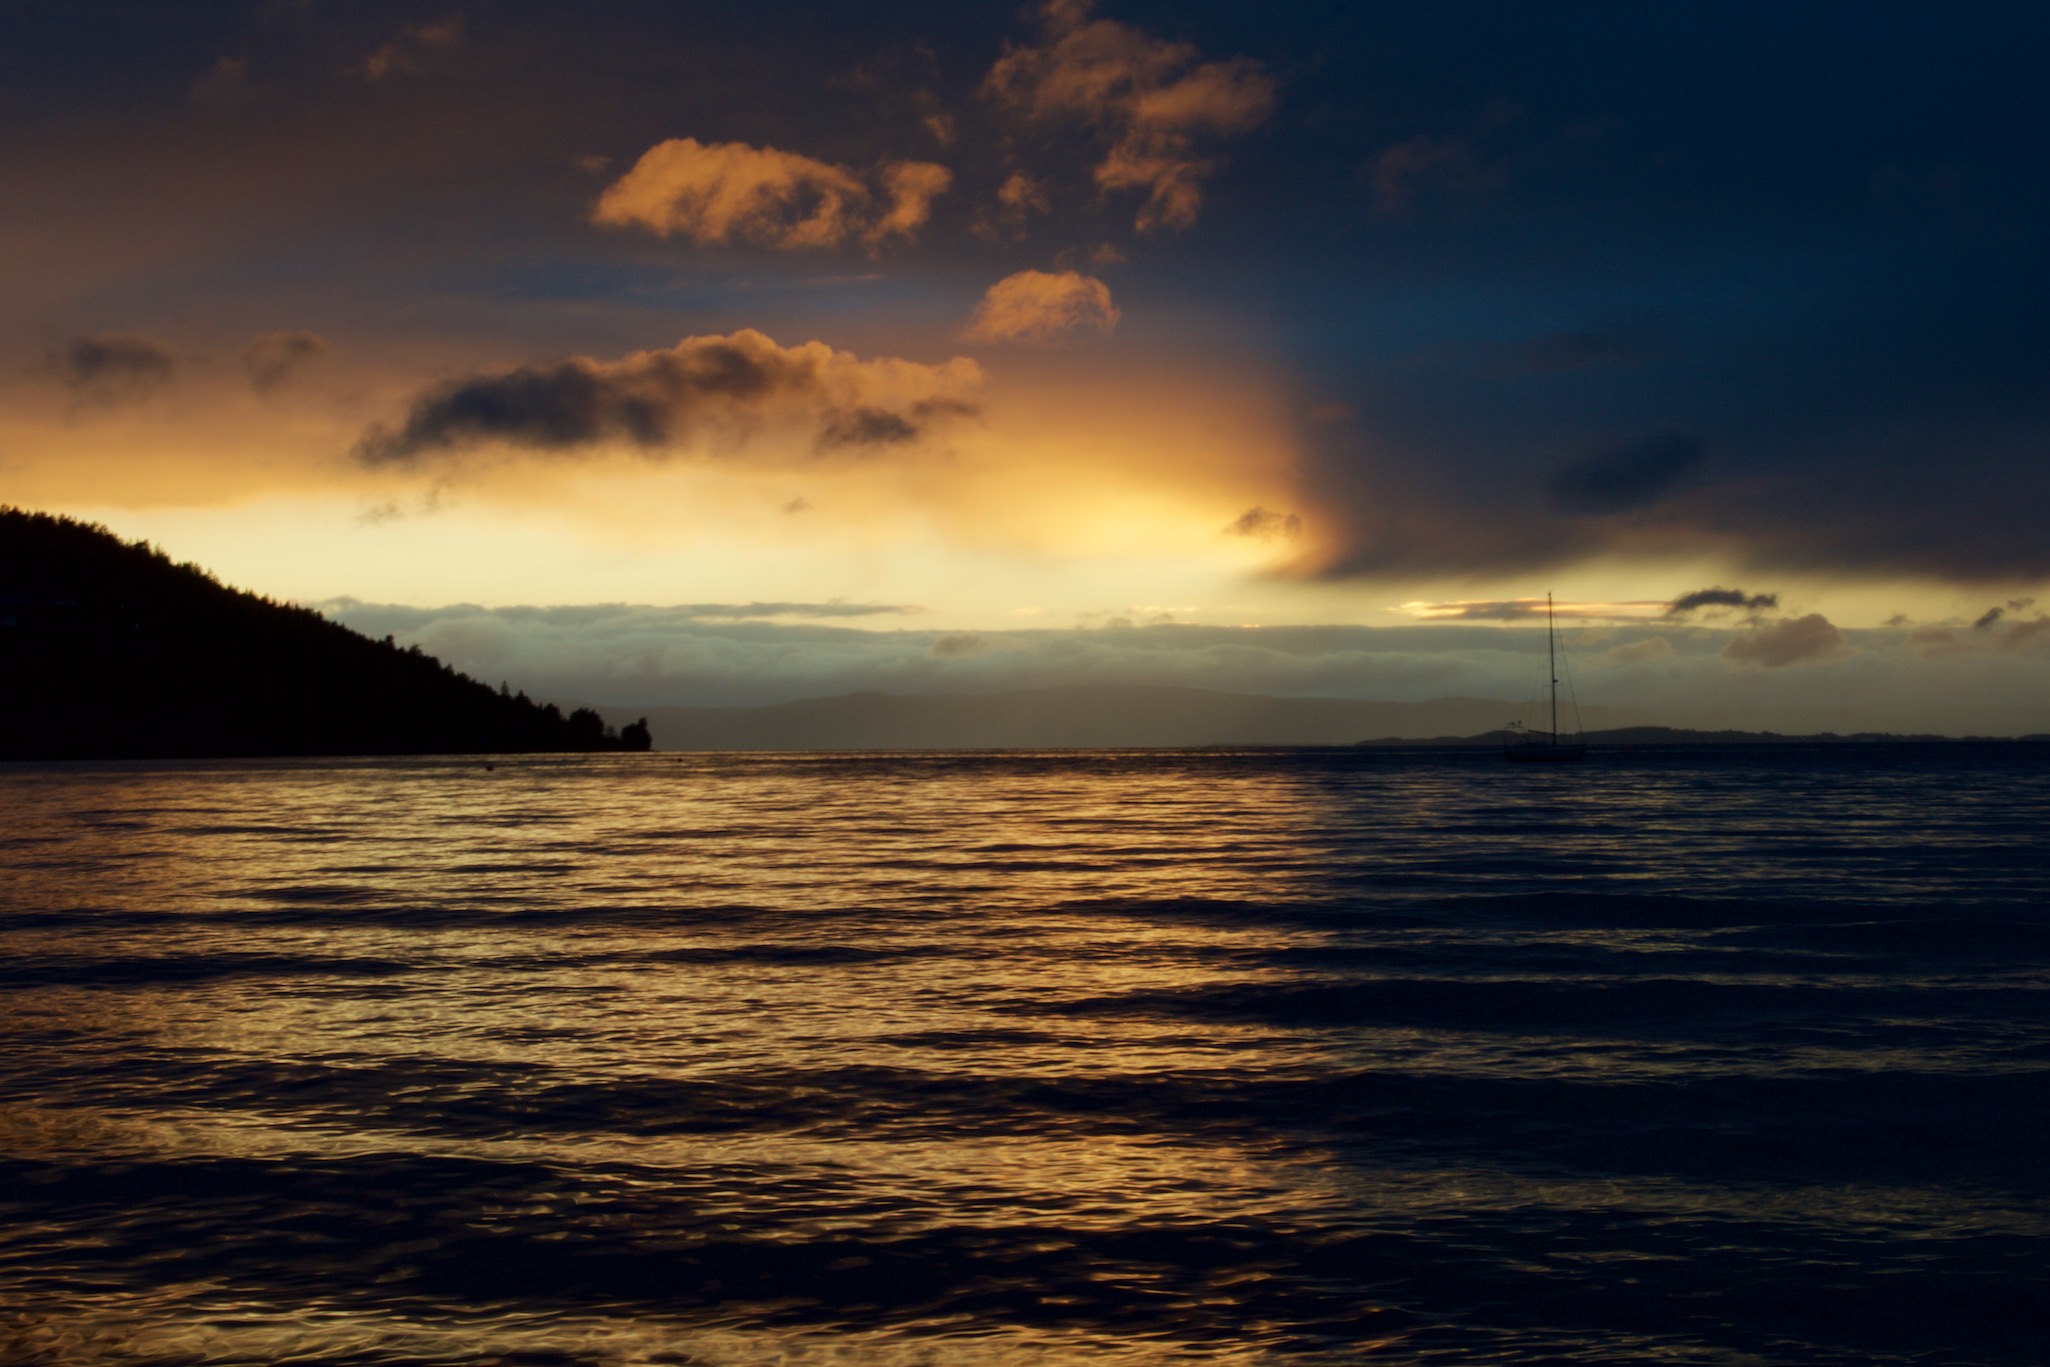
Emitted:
<point x="802" y="1000"/>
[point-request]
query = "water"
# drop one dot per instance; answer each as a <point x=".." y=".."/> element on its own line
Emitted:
<point x="1714" y="1057"/>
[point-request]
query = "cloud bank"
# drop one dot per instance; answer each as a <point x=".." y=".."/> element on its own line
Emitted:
<point x="1809" y="640"/>
<point x="635" y="656"/>
<point x="721" y="192"/>
<point x="656" y="400"/>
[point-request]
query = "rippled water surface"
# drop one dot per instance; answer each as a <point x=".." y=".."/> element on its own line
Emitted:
<point x="1735" y="1056"/>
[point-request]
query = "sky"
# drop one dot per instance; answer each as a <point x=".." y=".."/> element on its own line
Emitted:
<point x="659" y="353"/>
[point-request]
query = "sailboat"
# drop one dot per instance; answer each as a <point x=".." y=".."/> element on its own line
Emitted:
<point x="1526" y="746"/>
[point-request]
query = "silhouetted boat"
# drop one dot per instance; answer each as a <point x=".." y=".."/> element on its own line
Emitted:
<point x="1526" y="746"/>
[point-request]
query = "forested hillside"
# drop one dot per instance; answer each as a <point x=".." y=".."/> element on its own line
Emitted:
<point x="109" y="650"/>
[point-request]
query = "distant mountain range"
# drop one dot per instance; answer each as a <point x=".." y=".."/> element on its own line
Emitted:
<point x="1624" y="737"/>
<point x="1107" y="715"/>
<point x="110" y="651"/>
<point x="1118" y="716"/>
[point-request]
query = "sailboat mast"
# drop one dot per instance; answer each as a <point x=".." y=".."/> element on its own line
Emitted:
<point x="1552" y="667"/>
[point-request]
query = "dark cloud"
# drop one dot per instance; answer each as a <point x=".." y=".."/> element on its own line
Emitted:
<point x="869" y="427"/>
<point x="1264" y="524"/>
<point x="656" y="399"/>
<point x="1998" y="630"/>
<point x="412" y="48"/>
<point x="1154" y="102"/>
<point x="1998" y="611"/>
<point x="275" y="357"/>
<point x="1397" y="171"/>
<point x="1721" y="598"/>
<point x="1625" y="479"/>
<point x="110" y="366"/>
<point x="224" y="85"/>
<point x="1564" y="353"/>
<point x="1813" y="639"/>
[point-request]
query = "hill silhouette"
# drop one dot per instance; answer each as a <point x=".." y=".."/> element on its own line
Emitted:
<point x="1076" y="716"/>
<point x="108" y="650"/>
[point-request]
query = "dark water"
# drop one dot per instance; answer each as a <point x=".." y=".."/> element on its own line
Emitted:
<point x="1725" y="1057"/>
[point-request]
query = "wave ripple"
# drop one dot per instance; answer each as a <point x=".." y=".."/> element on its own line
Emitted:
<point x="1698" y="1057"/>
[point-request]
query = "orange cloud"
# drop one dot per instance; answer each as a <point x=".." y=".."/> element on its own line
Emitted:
<point x="912" y="187"/>
<point x="1150" y="97"/>
<point x="660" y="400"/>
<point x="715" y="193"/>
<point x="1020" y="193"/>
<point x="1041" y="309"/>
<point x="1019" y="197"/>
<point x="1529" y="610"/>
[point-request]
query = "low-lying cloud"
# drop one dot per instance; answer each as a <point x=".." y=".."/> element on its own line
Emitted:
<point x="745" y="654"/>
<point x="1152" y="100"/>
<point x="1529" y="610"/>
<point x="1809" y="640"/>
<point x="1715" y="598"/>
<point x="660" y="400"/>
<point x="2000" y="629"/>
<point x="2000" y="610"/>
<point x="1042" y="308"/>
<point x="721" y="192"/>
<point x="1644" y="650"/>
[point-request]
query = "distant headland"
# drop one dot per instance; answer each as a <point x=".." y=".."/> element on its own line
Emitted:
<point x="1625" y="737"/>
<point x="1138" y="716"/>
<point x="108" y="650"/>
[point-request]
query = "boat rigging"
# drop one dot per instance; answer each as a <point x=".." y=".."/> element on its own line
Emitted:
<point x="1525" y="746"/>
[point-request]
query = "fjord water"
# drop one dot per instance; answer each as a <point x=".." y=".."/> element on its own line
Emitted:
<point x="1719" y="1056"/>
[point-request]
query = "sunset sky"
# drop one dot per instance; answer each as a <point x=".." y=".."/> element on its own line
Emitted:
<point x="658" y="353"/>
